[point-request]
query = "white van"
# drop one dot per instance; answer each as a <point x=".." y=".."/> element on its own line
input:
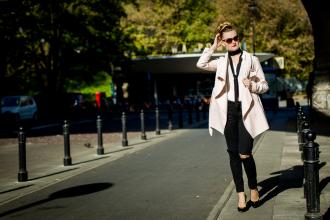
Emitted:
<point x="19" y="108"/>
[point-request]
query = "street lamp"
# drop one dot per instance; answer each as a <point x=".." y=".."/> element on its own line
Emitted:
<point x="253" y="9"/>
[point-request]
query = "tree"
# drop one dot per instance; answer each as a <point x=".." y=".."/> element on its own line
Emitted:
<point x="51" y="42"/>
<point x="158" y="26"/>
<point x="282" y="27"/>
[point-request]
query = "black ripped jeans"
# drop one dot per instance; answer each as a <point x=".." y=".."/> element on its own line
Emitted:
<point x="239" y="141"/>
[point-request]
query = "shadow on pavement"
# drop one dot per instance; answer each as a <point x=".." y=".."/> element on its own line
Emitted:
<point x="272" y="186"/>
<point x="323" y="183"/>
<point x="65" y="193"/>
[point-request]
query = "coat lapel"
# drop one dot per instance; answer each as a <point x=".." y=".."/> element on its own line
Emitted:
<point x="247" y="101"/>
<point x="221" y="77"/>
<point x="245" y="66"/>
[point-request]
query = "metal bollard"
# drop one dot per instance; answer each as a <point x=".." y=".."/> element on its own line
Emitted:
<point x="311" y="169"/>
<point x="304" y="129"/>
<point x="190" y="114"/>
<point x="204" y="109"/>
<point x="66" y="135"/>
<point x="100" y="149"/>
<point x="170" y="118"/>
<point x="124" y="141"/>
<point x="299" y="114"/>
<point x="198" y="118"/>
<point x="299" y="118"/>
<point x="180" y="118"/>
<point x="157" y="122"/>
<point x="299" y="133"/>
<point x="22" y="173"/>
<point x="143" y="132"/>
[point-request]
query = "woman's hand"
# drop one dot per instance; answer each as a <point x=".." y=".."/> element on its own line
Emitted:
<point x="217" y="42"/>
<point x="247" y="83"/>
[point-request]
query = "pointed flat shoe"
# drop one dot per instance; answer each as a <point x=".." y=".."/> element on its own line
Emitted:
<point x="239" y="209"/>
<point x="255" y="204"/>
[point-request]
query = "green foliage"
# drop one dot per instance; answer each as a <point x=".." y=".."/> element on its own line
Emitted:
<point x="157" y="26"/>
<point x="100" y="82"/>
<point x="50" y="42"/>
<point x="281" y="27"/>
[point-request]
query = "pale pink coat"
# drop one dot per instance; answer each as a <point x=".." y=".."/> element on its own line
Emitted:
<point x="253" y="113"/>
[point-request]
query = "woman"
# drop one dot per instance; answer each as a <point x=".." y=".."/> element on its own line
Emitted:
<point x="235" y="107"/>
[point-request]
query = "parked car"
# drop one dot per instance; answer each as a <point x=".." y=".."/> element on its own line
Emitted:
<point x="18" y="108"/>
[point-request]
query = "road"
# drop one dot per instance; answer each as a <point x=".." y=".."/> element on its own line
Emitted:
<point x="179" y="178"/>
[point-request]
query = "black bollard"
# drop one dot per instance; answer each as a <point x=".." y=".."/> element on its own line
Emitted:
<point x="66" y="135"/>
<point x="302" y="120"/>
<point x="190" y="114"/>
<point x="180" y="118"/>
<point x="157" y="122"/>
<point x="311" y="169"/>
<point x="100" y="149"/>
<point x="299" y="114"/>
<point x="22" y="173"/>
<point x="304" y="129"/>
<point x="124" y="141"/>
<point x="204" y="109"/>
<point x="143" y="132"/>
<point x="299" y="133"/>
<point x="198" y="118"/>
<point x="170" y="117"/>
<point x="298" y="108"/>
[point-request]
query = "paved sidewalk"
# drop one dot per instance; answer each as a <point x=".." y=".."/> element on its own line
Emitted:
<point x="280" y="176"/>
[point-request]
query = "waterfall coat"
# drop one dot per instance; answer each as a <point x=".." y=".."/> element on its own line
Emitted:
<point x="253" y="114"/>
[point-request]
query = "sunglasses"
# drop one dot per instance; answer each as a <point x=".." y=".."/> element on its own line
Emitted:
<point x="229" y="40"/>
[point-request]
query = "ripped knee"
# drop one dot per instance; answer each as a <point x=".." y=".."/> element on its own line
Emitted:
<point x="244" y="156"/>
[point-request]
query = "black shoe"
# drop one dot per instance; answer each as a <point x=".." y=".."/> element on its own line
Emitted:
<point x="242" y="209"/>
<point x="255" y="204"/>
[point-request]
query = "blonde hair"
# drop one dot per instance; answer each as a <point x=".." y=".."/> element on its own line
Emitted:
<point x="224" y="27"/>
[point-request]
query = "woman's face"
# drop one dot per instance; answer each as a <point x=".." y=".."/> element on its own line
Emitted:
<point x="230" y="40"/>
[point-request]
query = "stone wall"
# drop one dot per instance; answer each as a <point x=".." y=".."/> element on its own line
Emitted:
<point x="321" y="92"/>
<point x="319" y="18"/>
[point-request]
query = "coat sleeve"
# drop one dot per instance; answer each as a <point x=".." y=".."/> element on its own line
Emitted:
<point x="258" y="86"/>
<point x="204" y="61"/>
